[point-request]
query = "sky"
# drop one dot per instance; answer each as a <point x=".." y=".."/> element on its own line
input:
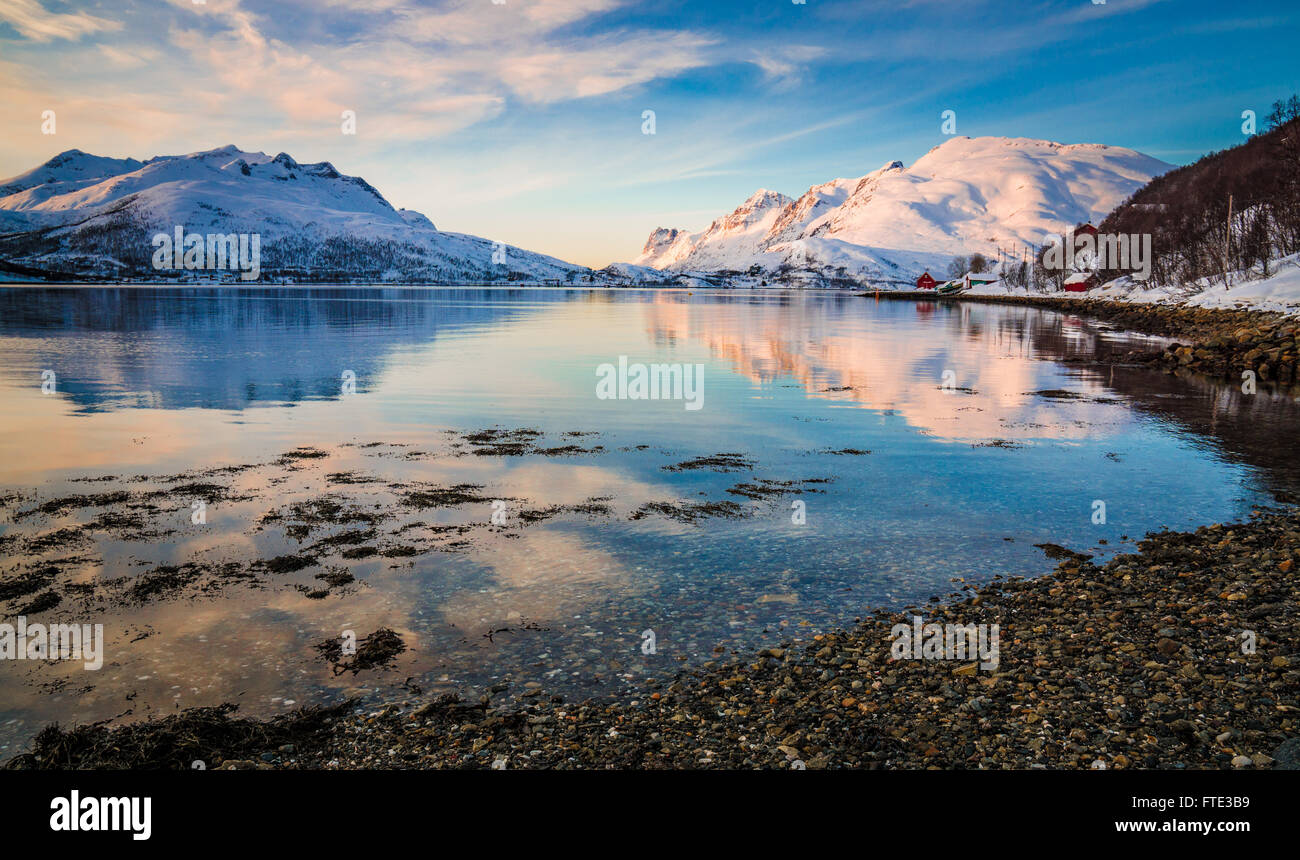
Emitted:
<point x="524" y="120"/>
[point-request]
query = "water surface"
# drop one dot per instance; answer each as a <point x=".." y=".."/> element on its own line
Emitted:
<point x="929" y="444"/>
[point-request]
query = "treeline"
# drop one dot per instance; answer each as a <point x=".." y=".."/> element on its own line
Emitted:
<point x="109" y="246"/>
<point x="975" y="263"/>
<point x="1013" y="272"/>
<point x="1230" y="211"/>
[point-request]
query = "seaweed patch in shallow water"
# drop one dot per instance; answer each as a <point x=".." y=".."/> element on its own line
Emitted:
<point x="302" y="453"/>
<point x="175" y="742"/>
<point x="57" y="539"/>
<point x="206" y="491"/>
<point x="376" y="650"/>
<point x="998" y="443"/>
<point x="443" y="497"/>
<point x="350" y="478"/>
<point x="27" y="583"/>
<point x="288" y="563"/>
<point x="43" y="602"/>
<point x="336" y="577"/>
<point x="162" y="581"/>
<point x="594" y="507"/>
<point x="728" y="462"/>
<point x="567" y="451"/>
<point x="323" y="510"/>
<point x="691" y="512"/>
<point x="66" y="504"/>
<point x="347" y="538"/>
<point x="766" y="488"/>
<point x="498" y="442"/>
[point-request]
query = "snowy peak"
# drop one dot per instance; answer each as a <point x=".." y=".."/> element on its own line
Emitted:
<point x="820" y="200"/>
<point x="732" y="236"/>
<point x="222" y="152"/>
<point x="760" y="200"/>
<point x="980" y="154"/>
<point x="198" y="187"/>
<point x="68" y="170"/>
<point x="660" y="240"/>
<point x="753" y="211"/>
<point x="312" y="220"/>
<point x="965" y="195"/>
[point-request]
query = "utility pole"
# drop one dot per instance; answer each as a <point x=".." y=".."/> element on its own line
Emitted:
<point x="1227" y="245"/>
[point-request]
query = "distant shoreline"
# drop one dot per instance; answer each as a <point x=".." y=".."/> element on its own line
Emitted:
<point x="1222" y="342"/>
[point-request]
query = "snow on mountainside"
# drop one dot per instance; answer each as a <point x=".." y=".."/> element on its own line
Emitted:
<point x="735" y="236"/>
<point x="80" y="214"/>
<point x="966" y="195"/>
<point x="67" y="172"/>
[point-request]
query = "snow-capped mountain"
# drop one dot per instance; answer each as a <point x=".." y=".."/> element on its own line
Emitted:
<point x="81" y="214"/>
<point x="739" y="235"/>
<point x="967" y="195"/>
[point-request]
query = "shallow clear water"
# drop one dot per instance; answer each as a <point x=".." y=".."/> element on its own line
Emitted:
<point x="988" y="430"/>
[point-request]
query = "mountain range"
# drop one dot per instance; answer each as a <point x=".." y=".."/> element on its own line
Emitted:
<point x="81" y="216"/>
<point x="84" y="215"/>
<point x="964" y="196"/>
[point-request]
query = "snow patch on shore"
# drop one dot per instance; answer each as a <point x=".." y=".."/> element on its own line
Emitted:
<point x="1279" y="292"/>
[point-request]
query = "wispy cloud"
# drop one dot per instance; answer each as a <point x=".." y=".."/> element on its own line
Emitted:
<point x="410" y="70"/>
<point x="34" y="21"/>
<point x="522" y="120"/>
<point x="786" y="64"/>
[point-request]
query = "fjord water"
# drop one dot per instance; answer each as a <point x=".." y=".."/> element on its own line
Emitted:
<point x="931" y="442"/>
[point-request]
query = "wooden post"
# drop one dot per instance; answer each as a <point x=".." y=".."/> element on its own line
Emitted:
<point x="1227" y="245"/>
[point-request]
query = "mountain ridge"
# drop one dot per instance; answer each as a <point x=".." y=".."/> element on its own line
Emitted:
<point x="964" y="195"/>
<point x="87" y="215"/>
<point x="82" y="215"/>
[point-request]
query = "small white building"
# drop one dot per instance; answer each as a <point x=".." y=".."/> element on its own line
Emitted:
<point x="970" y="279"/>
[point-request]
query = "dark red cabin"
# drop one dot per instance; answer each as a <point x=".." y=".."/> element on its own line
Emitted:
<point x="925" y="282"/>
<point x="1080" y="282"/>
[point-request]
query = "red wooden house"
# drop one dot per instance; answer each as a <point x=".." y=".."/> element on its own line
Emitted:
<point x="1080" y="282"/>
<point x="925" y="282"/>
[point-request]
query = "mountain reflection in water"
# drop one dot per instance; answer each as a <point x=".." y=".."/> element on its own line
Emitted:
<point x="927" y="441"/>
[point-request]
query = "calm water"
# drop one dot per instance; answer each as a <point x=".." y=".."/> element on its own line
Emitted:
<point x="959" y="483"/>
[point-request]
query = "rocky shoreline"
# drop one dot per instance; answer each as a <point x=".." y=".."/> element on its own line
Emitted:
<point x="1215" y="341"/>
<point x="1182" y="655"/>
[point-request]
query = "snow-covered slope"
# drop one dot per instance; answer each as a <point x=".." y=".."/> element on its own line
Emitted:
<point x="967" y="195"/>
<point x="68" y="171"/>
<point x="739" y="235"/>
<point x="1277" y="291"/>
<point x="85" y="215"/>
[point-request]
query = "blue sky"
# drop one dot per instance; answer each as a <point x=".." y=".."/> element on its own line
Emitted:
<point x="522" y="121"/>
